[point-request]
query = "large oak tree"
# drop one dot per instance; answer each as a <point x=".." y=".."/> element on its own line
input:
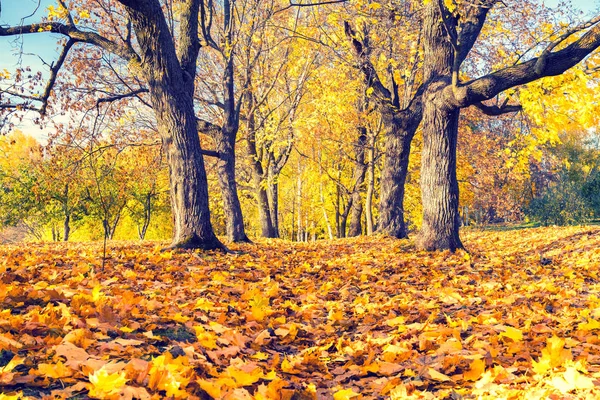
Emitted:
<point x="166" y="58"/>
<point x="449" y="36"/>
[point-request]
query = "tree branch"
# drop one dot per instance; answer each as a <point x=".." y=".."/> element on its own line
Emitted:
<point x="208" y="128"/>
<point x="370" y="74"/>
<point x="121" y="96"/>
<point x="54" y="73"/>
<point x="189" y="44"/>
<point x="73" y="33"/>
<point x="495" y="110"/>
<point x="490" y="85"/>
<point x="543" y="59"/>
<point x="210" y="153"/>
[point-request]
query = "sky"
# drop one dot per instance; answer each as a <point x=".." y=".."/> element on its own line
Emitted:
<point x="45" y="45"/>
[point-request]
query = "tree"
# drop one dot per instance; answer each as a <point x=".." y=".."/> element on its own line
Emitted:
<point x="399" y="103"/>
<point x="167" y="65"/>
<point x="450" y="30"/>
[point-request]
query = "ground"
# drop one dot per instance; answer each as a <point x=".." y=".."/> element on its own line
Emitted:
<point x="368" y="318"/>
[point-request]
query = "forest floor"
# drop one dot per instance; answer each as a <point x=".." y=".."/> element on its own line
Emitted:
<point x="365" y="318"/>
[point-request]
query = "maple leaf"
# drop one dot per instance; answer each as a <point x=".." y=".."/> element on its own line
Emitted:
<point x="475" y="371"/>
<point x="553" y="355"/>
<point x="56" y="371"/>
<point x="170" y="375"/>
<point x="512" y="333"/>
<point x="572" y="379"/>
<point x="106" y="385"/>
<point x="345" y="394"/>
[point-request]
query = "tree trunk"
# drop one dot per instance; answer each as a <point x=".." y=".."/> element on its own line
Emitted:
<point x="147" y="215"/>
<point x="439" y="187"/>
<point x="274" y="207"/>
<point x="399" y="132"/>
<point x="67" y="213"/>
<point x="225" y="145"/>
<point x="360" y="171"/>
<point x="171" y="87"/>
<point x="370" y="187"/>
<point x="187" y="177"/>
<point x="66" y="227"/>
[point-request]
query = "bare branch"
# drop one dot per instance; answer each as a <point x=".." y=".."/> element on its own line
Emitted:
<point x="367" y="68"/>
<point x="319" y="3"/>
<point x="54" y="69"/>
<point x="210" y="153"/>
<point x="110" y="99"/>
<point x="73" y="33"/>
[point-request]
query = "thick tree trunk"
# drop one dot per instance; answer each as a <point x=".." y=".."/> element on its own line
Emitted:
<point x="189" y="187"/>
<point x="355" y="228"/>
<point x="171" y="86"/>
<point x="439" y="187"/>
<point x="399" y="132"/>
<point x="264" y="212"/>
<point x="225" y="145"/>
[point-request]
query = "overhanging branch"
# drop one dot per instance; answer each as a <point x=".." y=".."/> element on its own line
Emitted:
<point x="54" y="68"/>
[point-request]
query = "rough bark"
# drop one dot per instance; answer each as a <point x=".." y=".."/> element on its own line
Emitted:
<point x="274" y="206"/>
<point x="447" y="42"/>
<point x="225" y="144"/>
<point x="399" y="131"/>
<point x="226" y="138"/>
<point x="360" y="170"/>
<point x="171" y="89"/>
<point x="370" y="187"/>
<point x="169" y="73"/>
<point x="439" y="187"/>
<point x="66" y="228"/>
<point x="258" y="173"/>
<point x="400" y="125"/>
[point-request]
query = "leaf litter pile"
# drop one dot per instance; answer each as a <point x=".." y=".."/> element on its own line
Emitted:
<point x="367" y="318"/>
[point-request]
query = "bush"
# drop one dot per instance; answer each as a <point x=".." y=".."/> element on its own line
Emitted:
<point x="562" y="204"/>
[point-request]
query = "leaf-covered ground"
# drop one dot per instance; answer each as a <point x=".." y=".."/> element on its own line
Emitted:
<point x="362" y="318"/>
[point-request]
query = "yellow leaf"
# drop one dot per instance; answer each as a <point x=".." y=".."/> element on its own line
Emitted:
<point x="476" y="370"/>
<point x="104" y="384"/>
<point x="437" y="376"/>
<point x="590" y="325"/>
<point x="56" y="371"/>
<point x="287" y="367"/>
<point x="345" y="394"/>
<point x="512" y="333"/>
<point x="245" y="376"/>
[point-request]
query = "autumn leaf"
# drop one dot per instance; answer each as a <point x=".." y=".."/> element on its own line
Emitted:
<point x="56" y="371"/>
<point x="345" y="394"/>
<point x="475" y="371"/>
<point x="514" y="334"/>
<point x="106" y="385"/>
